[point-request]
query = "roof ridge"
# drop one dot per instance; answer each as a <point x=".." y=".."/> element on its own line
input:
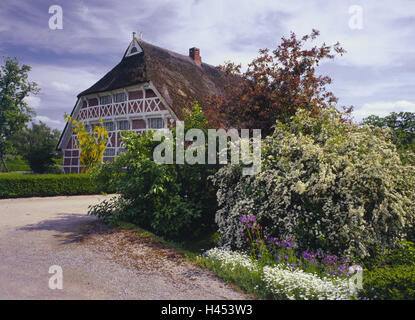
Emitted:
<point x="171" y="52"/>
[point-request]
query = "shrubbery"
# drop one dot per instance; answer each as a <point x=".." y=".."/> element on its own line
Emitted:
<point x="172" y="200"/>
<point x="15" y="185"/>
<point x="330" y="185"/>
<point x="389" y="283"/>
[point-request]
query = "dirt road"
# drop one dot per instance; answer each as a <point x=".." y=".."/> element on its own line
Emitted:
<point x="97" y="262"/>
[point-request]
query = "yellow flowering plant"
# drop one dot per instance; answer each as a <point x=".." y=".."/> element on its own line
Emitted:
<point x="92" y="144"/>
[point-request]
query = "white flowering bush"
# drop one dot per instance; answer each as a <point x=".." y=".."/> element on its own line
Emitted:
<point x="330" y="185"/>
<point x="278" y="282"/>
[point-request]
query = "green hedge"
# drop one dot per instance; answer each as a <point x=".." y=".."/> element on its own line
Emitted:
<point x="15" y="185"/>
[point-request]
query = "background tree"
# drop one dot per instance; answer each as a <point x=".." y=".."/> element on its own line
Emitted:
<point x="403" y="131"/>
<point x="274" y="86"/>
<point x="14" y="111"/>
<point x="37" y="145"/>
<point x="92" y="144"/>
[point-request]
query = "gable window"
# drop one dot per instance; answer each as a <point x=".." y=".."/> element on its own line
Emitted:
<point x="105" y="100"/>
<point x="109" y="126"/>
<point x="156" y="123"/>
<point x="123" y="125"/>
<point x="133" y="50"/>
<point x="119" y="97"/>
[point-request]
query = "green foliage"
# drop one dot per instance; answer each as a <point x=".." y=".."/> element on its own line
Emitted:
<point x="107" y="211"/>
<point x="14" y="111"/>
<point x="106" y="174"/>
<point x="16" y="163"/>
<point x="15" y="185"/>
<point x="38" y="146"/>
<point x="389" y="283"/>
<point x="402" y="255"/>
<point x="172" y="200"/>
<point x="327" y="184"/>
<point x="403" y="131"/>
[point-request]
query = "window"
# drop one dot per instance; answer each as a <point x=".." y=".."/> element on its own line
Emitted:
<point x="109" y="126"/>
<point x="119" y="97"/>
<point x="123" y="125"/>
<point x="133" y="50"/>
<point x="156" y="123"/>
<point x="105" y="100"/>
<point x="109" y="152"/>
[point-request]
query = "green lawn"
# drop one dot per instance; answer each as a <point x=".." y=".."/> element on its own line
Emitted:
<point x="17" y="164"/>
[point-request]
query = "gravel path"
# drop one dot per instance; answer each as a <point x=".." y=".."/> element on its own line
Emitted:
<point x="97" y="262"/>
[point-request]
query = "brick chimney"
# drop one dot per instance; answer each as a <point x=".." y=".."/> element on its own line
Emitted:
<point x="194" y="53"/>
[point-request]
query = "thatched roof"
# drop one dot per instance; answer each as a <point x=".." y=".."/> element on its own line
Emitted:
<point x="178" y="78"/>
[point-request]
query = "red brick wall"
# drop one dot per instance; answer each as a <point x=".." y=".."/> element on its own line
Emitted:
<point x="132" y="95"/>
<point x="93" y="102"/>
<point x="150" y="93"/>
<point x="139" y="124"/>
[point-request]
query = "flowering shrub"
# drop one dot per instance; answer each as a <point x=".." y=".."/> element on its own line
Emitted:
<point x="330" y="185"/>
<point x="276" y="282"/>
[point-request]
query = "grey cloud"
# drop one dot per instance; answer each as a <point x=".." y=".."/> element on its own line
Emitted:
<point x="378" y="67"/>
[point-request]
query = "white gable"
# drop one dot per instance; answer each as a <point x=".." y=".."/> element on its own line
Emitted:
<point x="133" y="48"/>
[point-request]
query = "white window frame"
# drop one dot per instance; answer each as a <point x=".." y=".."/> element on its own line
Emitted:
<point x="154" y="119"/>
<point x="109" y="154"/>
<point x="101" y="102"/>
<point x="105" y="124"/>
<point x="119" y="94"/>
<point x="120" y="126"/>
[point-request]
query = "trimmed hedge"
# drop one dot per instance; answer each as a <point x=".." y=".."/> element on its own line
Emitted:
<point x="16" y="185"/>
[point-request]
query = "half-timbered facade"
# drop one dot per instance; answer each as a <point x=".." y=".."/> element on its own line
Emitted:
<point x="149" y="88"/>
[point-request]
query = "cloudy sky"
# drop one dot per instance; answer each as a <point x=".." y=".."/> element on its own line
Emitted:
<point x="376" y="75"/>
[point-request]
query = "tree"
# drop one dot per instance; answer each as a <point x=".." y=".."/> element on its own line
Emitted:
<point x="92" y="144"/>
<point x="14" y="111"/>
<point x="38" y="146"/>
<point x="274" y="86"/>
<point x="403" y="126"/>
